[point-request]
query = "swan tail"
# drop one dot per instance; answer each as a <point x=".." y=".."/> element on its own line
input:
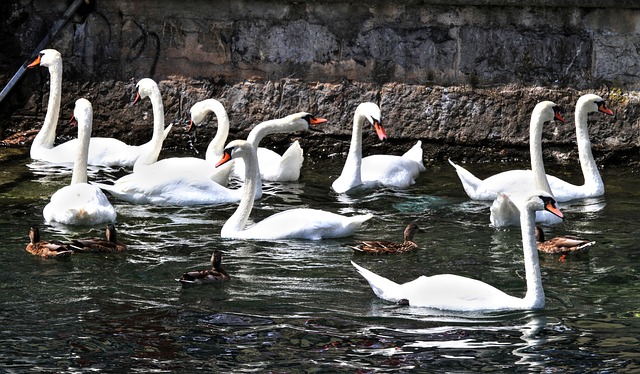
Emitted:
<point x="166" y="131"/>
<point x="381" y="286"/>
<point x="469" y="181"/>
<point x="415" y="154"/>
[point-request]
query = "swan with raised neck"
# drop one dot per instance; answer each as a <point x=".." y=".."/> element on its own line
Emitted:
<point x="80" y="203"/>
<point x="456" y="293"/>
<point x="52" y="60"/>
<point x="503" y="210"/>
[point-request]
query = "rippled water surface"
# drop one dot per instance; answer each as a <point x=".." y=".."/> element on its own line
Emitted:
<point x="299" y="306"/>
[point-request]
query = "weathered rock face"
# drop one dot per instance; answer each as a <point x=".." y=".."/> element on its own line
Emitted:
<point x="458" y="122"/>
<point x="462" y="75"/>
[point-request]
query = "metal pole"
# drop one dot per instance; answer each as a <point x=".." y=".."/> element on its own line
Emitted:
<point x="52" y="34"/>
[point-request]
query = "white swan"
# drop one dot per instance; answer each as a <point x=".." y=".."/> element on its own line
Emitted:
<point x="149" y="184"/>
<point x="181" y="165"/>
<point x="376" y="170"/>
<point x="272" y="166"/>
<point x="457" y="293"/>
<point x="503" y="211"/>
<point x="80" y="203"/>
<point x="301" y="223"/>
<point x="488" y="188"/>
<point x="102" y="151"/>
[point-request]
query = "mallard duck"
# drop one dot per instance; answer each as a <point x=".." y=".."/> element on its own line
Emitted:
<point x="385" y="247"/>
<point x="562" y="244"/>
<point x="214" y="275"/>
<point x="110" y="245"/>
<point x="52" y="249"/>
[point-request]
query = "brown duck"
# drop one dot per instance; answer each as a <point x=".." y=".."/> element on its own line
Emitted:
<point x="378" y="247"/>
<point x="51" y="249"/>
<point x="100" y="245"/>
<point x="214" y="275"/>
<point x="561" y="245"/>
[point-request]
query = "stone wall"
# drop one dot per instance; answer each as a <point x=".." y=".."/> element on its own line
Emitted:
<point x="457" y="74"/>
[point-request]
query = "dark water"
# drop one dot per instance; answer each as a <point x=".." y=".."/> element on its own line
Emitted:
<point x="299" y="306"/>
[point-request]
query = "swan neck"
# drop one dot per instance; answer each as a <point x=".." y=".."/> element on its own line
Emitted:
<point x="216" y="146"/>
<point x="82" y="155"/>
<point x="534" y="297"/>
<point x="353" y="165"/>
<point x="587" y="162"/>
<point x="238" y="220"/>
<point x="47" y="134"/>
<point x="154" y="146"/>
<point x="274" y="126"/>
<point x="535" y="149"/>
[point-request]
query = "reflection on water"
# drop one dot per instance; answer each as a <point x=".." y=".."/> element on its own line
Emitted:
<point x="295" y="306"/>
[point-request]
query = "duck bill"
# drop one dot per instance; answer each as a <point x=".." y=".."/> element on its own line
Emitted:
<point x="382" y="135"/>
<point x="554" y="210"/>
<point x="225" y="158"/>
<point x="35" y="62"/>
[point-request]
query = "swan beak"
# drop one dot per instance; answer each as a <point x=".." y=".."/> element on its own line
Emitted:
<point x="551" y="207"/>
<point x="137" y="98"/>
<point x="602" y="107"/>
<point x="35" y="62"/>
<point x="557" y="111"/>
<point x="73" y="121"/>
<point x="190" y="126"/>
<point x="382" y="135"/>
<point x="226" y="156"/>
<point x="317" y="121"/>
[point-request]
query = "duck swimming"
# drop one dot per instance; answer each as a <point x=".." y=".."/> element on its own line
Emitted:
<point x="51" y="249"/>
<point x="214" y="275"/>
<point x="99" y="245"/>
<point x="380" y="247"/>
<point x="561" y="245"/>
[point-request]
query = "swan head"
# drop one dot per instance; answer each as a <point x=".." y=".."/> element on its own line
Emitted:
<point x="235" y="149"/>
<point x="303" y="121"/>
<point x="593" y="103"/>
<point x="371" y="112"/>
<point x="548" y="111"/>
<point x="541" y="200"/>
<point x="146" y="87"/>
<point x="201" y="109"/>
<point x="83" y="109"/>
<point x="47" y="58"/>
